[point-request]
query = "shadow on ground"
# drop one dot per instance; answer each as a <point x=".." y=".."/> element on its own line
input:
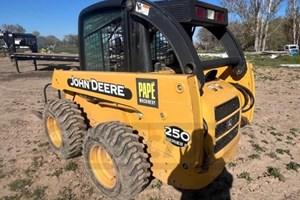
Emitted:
<point x="217" y="190"/>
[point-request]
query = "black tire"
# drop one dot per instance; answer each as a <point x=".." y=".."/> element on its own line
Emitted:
<point x="131" y="168"/>
<point x="63" y="119"/>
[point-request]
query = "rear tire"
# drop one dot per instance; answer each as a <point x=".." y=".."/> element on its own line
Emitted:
<point x="115" y="160"/>
<point x="65" y="128"/>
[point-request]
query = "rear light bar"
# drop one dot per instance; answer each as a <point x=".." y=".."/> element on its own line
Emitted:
<point x="210" y="14"/>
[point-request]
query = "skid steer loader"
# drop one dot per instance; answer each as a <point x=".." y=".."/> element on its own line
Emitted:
<point x="143" y="103"/>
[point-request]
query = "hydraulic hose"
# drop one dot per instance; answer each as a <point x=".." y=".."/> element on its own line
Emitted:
<point x="248" y="96"/>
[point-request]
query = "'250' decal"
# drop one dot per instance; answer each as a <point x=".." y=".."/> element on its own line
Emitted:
<point x="177" y="136"/>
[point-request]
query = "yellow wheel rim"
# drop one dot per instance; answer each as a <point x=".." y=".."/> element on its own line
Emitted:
<point x="54" y="132"/>
<point x="102" y="166"/>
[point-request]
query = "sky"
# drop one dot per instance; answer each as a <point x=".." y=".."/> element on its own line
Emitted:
<point x="52" y="17"/>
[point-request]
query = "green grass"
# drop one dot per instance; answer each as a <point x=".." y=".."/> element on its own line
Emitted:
<point x="265" y="141"/>
<point x="257" y="148"/>
<point x="156" y="184"/>
<point x="71" y="166"/>
<point x="14" y="197"/>
<point x="90" y="191"/>
<point x="19" y="185"/>
<point x="254" y="156"/>
<point x="38" y="194"/>
<point x="289" y="138"/>
<point x="292" y="166"/>
<point x="2" y="174"/>
<point x="245" y="175"/>
<point x="56" y="173"/>
<point x="70" y="50"/>
<point x="13" y="160"/>
<point x="294" y="132"/>
<point x="45" y="144"/>
<point x="66" y="194"/>
<point x="266" y="61"/>
<point x="36" y="163"/>
<point x="276" y="133"/>
<point x="291" y="143"/>
<point x="232" y="164"/>
<point x="155" y="198"/>
<point x="282" y="151"/>
<point x="271" y="128"/>
<point x="275" y="172"/>
<point x="273" y="155"/>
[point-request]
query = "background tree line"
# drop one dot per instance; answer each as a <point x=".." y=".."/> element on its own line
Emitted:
<point x="255" y="23"/>
<point x="257" y="26"/>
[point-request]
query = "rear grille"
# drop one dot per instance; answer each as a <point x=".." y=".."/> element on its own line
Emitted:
<point x="226" y="139"/>
<point x="227" y="125"/>
<point x="222" y="111"/>
<point x="226" y="109"/>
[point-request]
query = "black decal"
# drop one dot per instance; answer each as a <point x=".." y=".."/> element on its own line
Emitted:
<point x="147" y="93"/>
<point x="177" y="136"/>
<point x="93" y="85"/>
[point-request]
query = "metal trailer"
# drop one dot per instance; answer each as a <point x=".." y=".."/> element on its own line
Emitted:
<point x="15" y="41"/>
<point x="16" y="57"/>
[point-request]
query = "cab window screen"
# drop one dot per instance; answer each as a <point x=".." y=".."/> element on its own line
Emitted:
<point x="159" y="46"/>
<point x="104" y="42"/>
<point x="162" y="52"/>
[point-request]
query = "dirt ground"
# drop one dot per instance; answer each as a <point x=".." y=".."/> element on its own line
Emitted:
<point x="267" y="166"/>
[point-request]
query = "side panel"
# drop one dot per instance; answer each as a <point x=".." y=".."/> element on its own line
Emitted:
<point x="167" y="111"/>
<point x="164" y="109"/>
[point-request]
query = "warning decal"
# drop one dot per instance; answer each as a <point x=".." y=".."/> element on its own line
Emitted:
<point x="142" y="8"/>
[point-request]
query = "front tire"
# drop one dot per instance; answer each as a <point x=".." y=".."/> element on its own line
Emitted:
<point x="65" y="128"/>
<point x="115" y="160"/>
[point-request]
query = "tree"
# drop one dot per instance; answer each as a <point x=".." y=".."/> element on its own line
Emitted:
<point x="41" y="42"/>
<point x="36" y="33"/>
<point x="13" y="28"/>
<point x="241" y="33"/>
<point x="51" y="41"/>
<point x="207" y="40"/>
<point x="256" y="13"/>
<point x="292" y="12"/>
<point x="71" y="40"/>
<point x="277" y="34"/>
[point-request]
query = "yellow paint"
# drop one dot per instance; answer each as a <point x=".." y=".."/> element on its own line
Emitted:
<point x="171" y="100"/>
<point x="225" y="73"/>
<point x="102" y="166"/>
<point x="54" y="132"/>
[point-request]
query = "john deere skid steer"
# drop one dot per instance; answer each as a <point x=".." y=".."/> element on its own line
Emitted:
<point x="143" y="103"/>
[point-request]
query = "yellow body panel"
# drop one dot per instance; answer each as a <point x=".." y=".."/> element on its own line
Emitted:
<point x="152" y="104"/>
<point x="225" y="73"/>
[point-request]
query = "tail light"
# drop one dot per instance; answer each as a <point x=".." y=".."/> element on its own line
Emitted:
<point x="220" y="16"/>
<point x="200" y="12"/>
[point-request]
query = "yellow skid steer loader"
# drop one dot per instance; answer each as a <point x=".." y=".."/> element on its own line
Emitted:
<point x="143" y="103"/>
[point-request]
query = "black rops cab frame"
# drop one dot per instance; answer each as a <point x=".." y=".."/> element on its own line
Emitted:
<point x="140" y="36"/>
